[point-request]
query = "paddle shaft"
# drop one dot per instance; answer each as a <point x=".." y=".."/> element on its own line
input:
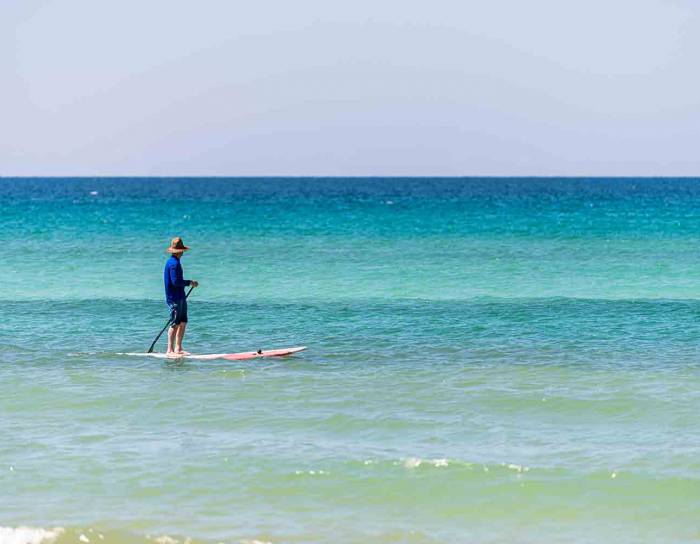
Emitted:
<point x="150" y="350"/>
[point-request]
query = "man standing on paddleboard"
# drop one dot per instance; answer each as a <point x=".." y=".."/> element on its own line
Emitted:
<point x="175" y="297"/>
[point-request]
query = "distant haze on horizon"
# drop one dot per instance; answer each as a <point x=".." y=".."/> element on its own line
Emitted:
<point x="313" y="87"/>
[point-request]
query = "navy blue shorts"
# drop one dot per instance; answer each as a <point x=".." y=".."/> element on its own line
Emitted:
<point x="178" y="312"/>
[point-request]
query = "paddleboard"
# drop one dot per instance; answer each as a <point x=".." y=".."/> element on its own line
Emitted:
<point x="229" y="356"/>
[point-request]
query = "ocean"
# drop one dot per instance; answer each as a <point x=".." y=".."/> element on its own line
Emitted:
<point x="489" y="361"/>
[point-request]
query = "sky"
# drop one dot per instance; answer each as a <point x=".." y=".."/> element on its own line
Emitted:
<point x="351" y="88"/>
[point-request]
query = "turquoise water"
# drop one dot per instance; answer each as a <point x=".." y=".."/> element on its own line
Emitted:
<point x="489" y="361"/>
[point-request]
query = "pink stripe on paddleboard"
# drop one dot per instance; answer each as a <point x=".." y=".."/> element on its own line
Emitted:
<point x="264" y="353"/>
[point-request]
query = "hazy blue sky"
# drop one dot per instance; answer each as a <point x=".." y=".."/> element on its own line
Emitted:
<point x="361" y="87"/>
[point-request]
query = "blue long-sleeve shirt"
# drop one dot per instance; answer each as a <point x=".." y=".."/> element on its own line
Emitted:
<point x="174" y="282"/>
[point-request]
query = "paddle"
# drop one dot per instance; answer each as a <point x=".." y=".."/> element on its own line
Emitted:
<point x="150" y="350"/>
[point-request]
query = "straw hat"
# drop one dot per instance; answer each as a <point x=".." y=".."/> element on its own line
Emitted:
<point x="176" y="246"/>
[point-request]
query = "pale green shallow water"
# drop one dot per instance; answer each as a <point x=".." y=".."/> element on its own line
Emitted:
<point x="489" y="361"/>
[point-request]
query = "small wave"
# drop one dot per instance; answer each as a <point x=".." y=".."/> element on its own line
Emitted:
<point x="415" y="462"/>
<point x="519" y="468"/>
<point x="412" y="463"/>
<point x="479" y="468"/>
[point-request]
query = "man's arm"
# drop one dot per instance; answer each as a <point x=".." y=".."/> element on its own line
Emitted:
<point x="176" y="277"/>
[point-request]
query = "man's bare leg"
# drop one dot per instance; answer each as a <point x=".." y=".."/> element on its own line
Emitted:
<point x="172" y="333"/>
<point x="179" y="335"/>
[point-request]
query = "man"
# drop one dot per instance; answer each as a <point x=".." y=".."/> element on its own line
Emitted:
<point x="175" y="297"/>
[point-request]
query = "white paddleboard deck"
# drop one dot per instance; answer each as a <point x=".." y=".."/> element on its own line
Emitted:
<point x="227" y="356"/>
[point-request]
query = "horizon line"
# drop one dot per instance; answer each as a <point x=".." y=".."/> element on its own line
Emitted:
<point x="335" y="176"/>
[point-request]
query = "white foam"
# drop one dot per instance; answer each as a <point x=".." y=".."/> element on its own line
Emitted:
<point x="412" y="462"/>
<point x="312" y="472"/>
<point x="165" y="539"/>
<point x="29" y="535"/>
<point x="415" y="462"/>
<point x="519" y="468"/>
